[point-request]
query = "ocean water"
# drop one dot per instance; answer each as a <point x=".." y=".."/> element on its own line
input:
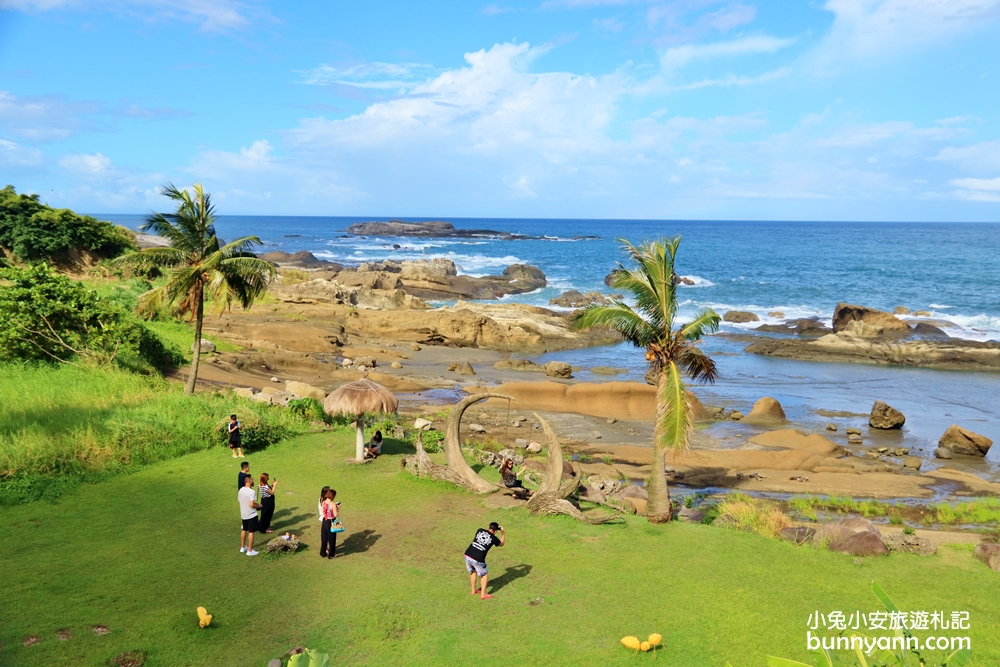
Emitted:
<point x="802" y="269"/>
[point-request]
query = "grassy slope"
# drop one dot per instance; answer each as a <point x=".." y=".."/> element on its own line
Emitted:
<point x="63" y="419"/>
<point x="138" y="553"/>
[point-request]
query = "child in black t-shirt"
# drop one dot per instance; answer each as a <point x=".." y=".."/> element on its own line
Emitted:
<point x="235" y="441"/>
<point x="475" y="556"/>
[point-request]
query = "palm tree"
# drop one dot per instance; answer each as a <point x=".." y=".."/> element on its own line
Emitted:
<point x="671" y="349"/>
<point x="197" y="265"/>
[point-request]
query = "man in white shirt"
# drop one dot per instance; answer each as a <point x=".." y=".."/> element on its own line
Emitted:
<point x="248" y="512"/>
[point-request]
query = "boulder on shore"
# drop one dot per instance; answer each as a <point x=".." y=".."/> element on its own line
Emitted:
<point x="465" y="368"/>
<point x="835" y="532"/>
<point x="766" y="410"/>
<point x="740" y="317"/>
<point x="900" y="310"/>
<point x="518" y="365"/>
<point x="963" y="441"/>
<point x="845" y="313"/>
<point x="207" y="346"/>
<point x="304" y="390"/>
<point x="575" y="299"/>
<point x="698" y="411"/>
<point x="885" y="417"/>
<point x="943" y="453"/>
<point x="558" y="369"/>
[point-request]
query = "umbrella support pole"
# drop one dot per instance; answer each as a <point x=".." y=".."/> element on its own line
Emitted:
<point x="359" y="444"/>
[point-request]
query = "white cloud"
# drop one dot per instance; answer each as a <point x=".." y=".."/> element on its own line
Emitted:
<point x="677" y="57"/>
<point x="734" y="80"/>
<point x="977" y="189"/>
<point x="979" y="157"/>
<point x="867" y="28"/>
<point x="93" y="165"/>
<point x="212" y="15"/>
<point x="382" y="76"/>
<point x="42" y="118"/>
<point x="14" y="155"/>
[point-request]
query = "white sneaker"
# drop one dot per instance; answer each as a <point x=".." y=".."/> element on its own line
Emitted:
<point x="243" y="550"/>
<point x="252" y="553"/>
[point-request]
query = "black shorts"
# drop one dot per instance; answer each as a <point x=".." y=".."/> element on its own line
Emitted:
<point x="250" y="525"/>
<point x="235" y="444"/>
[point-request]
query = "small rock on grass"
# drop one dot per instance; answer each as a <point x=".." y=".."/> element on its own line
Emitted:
<point x="797" y="534"/>
<point x="861" y="544"/>
<point x="477" y="428"/>
<point x="912" y="544"/>
<point x="534" y="447"/>
<point x="989" y="554"/>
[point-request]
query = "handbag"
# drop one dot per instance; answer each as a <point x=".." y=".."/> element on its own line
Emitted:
<point x="336" y="526"/>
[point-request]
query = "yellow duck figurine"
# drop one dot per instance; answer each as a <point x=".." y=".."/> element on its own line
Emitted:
<point x="204" y="618"/>
<point x="631" y="643"/>
<point x="654" y="641"/>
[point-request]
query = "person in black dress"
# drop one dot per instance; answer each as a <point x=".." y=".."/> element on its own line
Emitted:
<point x="266" y="487"/>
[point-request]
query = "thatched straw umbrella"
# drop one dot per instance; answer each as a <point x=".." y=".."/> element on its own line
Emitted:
<point x="355" y="399"/>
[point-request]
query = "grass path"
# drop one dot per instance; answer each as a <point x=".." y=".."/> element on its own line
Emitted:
<point x="139" y="552"/>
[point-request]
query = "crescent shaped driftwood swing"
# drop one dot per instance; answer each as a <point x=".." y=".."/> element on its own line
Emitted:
<point x="551" y="497"/>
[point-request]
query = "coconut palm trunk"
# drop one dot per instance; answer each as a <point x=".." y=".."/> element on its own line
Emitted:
<point x="359" y="438"/>
<point x="199" y="320"/>
<point x="671" y="349"/>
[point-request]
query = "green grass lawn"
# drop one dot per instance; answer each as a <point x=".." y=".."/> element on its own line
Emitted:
<point x="139" y="552"/>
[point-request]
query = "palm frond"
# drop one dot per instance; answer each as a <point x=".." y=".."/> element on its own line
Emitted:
<point x="673" y="414"/>
<point x="705" y="322"/>
<point x="145" y="259"/>
<point x="241" y="247"/>
<point x="150" y="303"/>
<point x="619" y="317"/>
<point x="697" y="365"/>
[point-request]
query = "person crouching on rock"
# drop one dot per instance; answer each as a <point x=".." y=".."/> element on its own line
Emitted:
<point x="475" y="556"/>
<point x="510" y="478"/>
<point x="374" y="448"/>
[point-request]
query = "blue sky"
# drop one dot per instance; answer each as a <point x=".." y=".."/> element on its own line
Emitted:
<point x="700" y="109"/>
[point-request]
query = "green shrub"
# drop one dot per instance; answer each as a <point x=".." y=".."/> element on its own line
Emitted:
<point x="310" y="409"/>
<point x="33" y="231"/>
<point x="45" y="316"/>
<point x="744" y="513"/>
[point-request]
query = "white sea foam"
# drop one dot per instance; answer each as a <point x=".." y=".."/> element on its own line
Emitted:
<point x="698" y="282"/>
<point x="939" y="306"/>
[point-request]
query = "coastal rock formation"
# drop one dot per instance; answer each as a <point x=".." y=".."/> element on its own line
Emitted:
<point x="465" y="368"/>
<point x="698" y="411"/>
<point x="885" y="417"/>
<point x="943" y="453"/>
<point x="301" y="259"/>
<point x="807" y="326"/>
<point x="900" y="310"/>
<point x="962" y="441"/>
<point x="524" y="365"/>
<point x="859" y="329"/>
<point x="558" y="369"/>
<point x="776" y="313"/>
<point x="845" y="313"/>
<point x="436" y="229"/>
<point x="322" y="291"/>
<point x="574" y="299"/>
<point x="766" y="411"/>
<point x="740" y="317"/>
<point x="952" y="353"/>
<point x="504" y="327"/>
<point x="439" y="279"/>
<point x="797" y="534"/>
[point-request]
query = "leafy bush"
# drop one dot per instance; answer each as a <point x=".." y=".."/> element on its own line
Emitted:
<point x="45" y="316"/>
<point x="432" y="440"/>
<point x="311" y="409"/>
<point x="33" y="231"/>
